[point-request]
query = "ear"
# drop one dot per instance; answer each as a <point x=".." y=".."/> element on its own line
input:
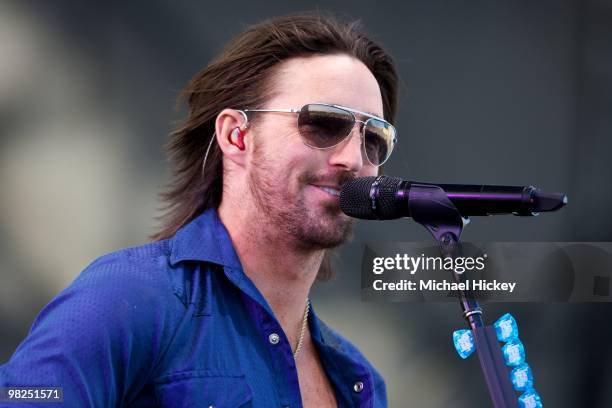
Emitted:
<point x="226" y="122"/>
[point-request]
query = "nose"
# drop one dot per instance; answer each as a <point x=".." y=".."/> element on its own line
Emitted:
<point x="349" y="153"/>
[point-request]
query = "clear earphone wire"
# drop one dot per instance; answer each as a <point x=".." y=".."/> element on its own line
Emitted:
<point x="212" y="139"/>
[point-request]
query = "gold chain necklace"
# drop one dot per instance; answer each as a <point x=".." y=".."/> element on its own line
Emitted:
<point x="302" y="330"/>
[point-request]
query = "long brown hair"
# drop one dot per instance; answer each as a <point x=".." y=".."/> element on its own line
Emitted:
<point x="241" y="77"/>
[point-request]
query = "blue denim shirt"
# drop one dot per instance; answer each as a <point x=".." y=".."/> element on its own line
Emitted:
<point x="177" y="323"/>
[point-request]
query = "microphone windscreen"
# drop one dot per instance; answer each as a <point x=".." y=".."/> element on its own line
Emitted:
<point x="371" y="198"/>
<point x="355" y="198"/>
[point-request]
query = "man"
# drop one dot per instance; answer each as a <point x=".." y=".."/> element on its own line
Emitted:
<point x="215" y="311"/>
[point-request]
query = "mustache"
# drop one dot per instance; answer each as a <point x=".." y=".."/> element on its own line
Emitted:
<point x="336" y="178"/>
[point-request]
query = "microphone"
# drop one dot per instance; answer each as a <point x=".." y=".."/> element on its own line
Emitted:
<point x="387" y="198"/>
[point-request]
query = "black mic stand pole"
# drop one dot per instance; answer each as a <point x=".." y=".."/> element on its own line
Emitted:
<point x="430" y="207"/>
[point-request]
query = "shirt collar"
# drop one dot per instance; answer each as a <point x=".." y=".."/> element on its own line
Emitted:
<point x="204" y="239"/>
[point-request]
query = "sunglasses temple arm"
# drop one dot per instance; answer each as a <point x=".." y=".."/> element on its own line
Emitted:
<point x="273" y="110"/>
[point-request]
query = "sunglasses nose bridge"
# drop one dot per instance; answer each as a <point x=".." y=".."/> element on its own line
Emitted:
<point x="359" y="124"/>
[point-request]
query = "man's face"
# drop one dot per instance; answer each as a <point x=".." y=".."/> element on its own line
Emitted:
<point x="289" y="181"/>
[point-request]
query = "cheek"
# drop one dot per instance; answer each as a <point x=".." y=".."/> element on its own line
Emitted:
<point x="285" y="163"/>
<point x="295" y="157"/>
<point x="280" y="144"/>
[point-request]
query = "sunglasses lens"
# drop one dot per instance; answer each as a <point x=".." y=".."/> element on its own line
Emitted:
<point x="324" y="126"/>
<point x="379" y="140"/>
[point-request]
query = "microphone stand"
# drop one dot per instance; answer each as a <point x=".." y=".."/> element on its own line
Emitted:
<point x="431" y="207"/>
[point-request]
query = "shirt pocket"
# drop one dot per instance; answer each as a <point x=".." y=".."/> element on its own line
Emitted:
<point x="203" y="388"/>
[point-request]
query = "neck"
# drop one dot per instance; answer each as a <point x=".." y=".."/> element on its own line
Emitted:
<point x="283" y="272"/>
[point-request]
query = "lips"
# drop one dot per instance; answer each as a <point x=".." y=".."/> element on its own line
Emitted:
<point x="334" y="191"/>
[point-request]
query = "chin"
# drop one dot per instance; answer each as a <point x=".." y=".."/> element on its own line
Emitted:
<point x="327" y="231"/>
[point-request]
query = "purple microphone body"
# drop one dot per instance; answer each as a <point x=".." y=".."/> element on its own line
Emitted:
<point x="386" y="198"/>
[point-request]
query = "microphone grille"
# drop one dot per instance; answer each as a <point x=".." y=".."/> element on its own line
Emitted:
<point x="356" y="198"/>
<point x="388" y="204"/>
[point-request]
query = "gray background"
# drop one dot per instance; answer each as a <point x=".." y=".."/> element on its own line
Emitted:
<point x="498" y="92"/>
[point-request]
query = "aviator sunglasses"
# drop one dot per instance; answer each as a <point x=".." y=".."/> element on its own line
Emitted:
<point x="323" y="126"/>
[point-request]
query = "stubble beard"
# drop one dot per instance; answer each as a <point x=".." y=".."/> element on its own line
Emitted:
<point x="289" y="218"/>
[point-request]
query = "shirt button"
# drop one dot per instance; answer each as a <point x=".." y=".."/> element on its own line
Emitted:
<point x="358" y="387"/>
<point x="274" y="338"/>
